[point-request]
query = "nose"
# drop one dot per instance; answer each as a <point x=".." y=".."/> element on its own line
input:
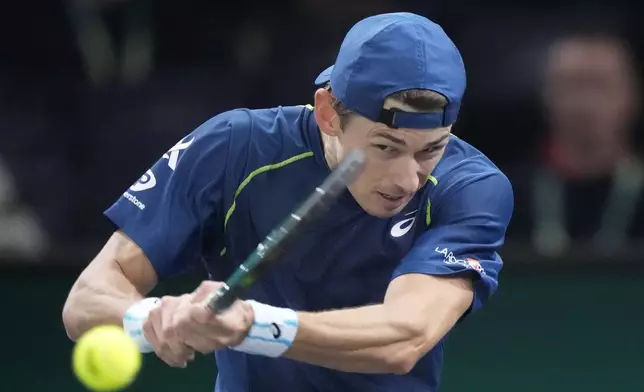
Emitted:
<point x="405" y="174"/>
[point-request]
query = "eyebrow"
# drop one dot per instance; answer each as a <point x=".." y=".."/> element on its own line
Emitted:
<point x="401" y="142"/>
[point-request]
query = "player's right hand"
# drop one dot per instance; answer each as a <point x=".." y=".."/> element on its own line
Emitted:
<point x="160" y="330"/>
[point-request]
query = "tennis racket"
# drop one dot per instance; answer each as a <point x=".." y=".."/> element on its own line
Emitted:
<point x="281" y="238"/>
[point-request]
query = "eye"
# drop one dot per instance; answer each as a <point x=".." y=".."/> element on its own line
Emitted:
<point x="432" y="149"/>
<point x="431" y="152"/>
<point x="384" y="148"/>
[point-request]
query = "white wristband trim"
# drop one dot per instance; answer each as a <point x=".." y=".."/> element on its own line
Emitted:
<point x="134" y="319"/>
<point x="272" y="332"/>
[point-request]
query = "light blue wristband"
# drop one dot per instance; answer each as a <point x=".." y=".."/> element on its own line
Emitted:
<point x="272" y="332"/>
<point x="133" y="321"/>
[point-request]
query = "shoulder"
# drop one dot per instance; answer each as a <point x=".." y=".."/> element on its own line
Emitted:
<point x="463" y="165"/>
<point x="466" y="175"/>
<point x="251" y="137"/>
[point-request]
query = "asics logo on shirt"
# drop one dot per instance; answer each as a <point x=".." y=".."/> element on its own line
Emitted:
<point x="401" y="228"/>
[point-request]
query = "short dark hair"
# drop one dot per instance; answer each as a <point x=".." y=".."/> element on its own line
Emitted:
<point x="421" y="100"/>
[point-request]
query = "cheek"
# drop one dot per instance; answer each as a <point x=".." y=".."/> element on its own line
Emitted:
<point x="370" y="178"/>
<point x="427" y="167"/>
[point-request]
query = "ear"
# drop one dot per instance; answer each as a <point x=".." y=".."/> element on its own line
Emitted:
<point x="325" y="115"/>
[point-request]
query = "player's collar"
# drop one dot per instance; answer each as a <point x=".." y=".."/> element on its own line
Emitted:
<point x="314" y="140"/>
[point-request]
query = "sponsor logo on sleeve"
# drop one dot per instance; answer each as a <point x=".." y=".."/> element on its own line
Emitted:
<point x="147" y="181"/>
<point x="475" y="265"/>
<point x="132" y="199"/>
<point x="469" y="263"/>
<point x="173" y="154"/>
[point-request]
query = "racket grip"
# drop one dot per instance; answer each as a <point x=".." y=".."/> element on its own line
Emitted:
<point x="220" y="299"/>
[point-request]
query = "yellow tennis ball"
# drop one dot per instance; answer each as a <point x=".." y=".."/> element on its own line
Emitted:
<point x="105" y="359"/>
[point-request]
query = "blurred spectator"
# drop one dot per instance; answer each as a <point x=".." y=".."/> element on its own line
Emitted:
<point x="20" y="232"/>
<point x="114" y="38"/>
<point x="588" y="182"/>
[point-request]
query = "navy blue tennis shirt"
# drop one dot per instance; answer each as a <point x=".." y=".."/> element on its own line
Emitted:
<point x="218" y="192"/>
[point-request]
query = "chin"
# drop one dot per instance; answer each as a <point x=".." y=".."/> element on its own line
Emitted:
<point x="379" y="211"/>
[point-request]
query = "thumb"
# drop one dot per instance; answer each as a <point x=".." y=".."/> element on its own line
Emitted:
<point x="206" y="288"/>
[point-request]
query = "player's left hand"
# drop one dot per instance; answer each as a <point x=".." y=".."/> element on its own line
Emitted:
<point x="206" y="331"/>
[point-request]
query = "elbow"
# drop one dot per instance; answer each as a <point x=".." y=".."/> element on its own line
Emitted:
<point x="71" y="320"/>
<point x="400" y="364"/>
<point x="403" y="357"/>
<point x="71" y="327"/>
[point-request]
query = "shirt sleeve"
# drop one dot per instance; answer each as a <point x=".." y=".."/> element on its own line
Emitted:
<point x="467" y="230"/>
<point x="165" y="211"/>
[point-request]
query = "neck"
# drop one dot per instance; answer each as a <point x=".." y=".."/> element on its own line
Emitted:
<point x="332" y="148"/>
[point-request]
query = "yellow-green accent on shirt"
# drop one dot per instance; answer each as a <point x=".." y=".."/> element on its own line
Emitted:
<point x="252" y="175"/>
<point x="428" y="215"/>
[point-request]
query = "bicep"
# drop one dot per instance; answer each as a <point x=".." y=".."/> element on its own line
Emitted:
<point x="428" y="307"/>
<point x="448" y="288"/>
<point x="121" y="266"/>
<point x="465" y="237"/>
<point x="437" y="301"/>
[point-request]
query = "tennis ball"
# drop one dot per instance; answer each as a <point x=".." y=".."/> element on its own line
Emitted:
<point x="105" y="359"/>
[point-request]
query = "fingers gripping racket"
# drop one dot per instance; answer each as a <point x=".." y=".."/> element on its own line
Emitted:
<point x="283" y="236"/>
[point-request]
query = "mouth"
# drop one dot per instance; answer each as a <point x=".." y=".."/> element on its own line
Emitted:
<point x="392" y="202"/>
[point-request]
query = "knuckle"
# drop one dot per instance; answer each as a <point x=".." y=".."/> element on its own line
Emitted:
<point x="234" y="340"/>
<point x="204" y="285"/>
<point x="204" y="349"/>
<point x="240" y="326"/>
<point x="167" y="302"/>
<point x="166" y="299"/>
<point x="209" y="285"/>
<point x="188" y="351"/>
<point x="172" y="362"/>
<point x="168" y="358"/>
<point x="248" y="314"/>
<point x="163" y="354"/>
<point x="154" y="312"/>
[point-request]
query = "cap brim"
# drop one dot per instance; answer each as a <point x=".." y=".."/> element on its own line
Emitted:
<point x="324" y="77"/>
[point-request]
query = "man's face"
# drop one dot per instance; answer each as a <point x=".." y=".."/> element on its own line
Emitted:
<point x="398" y="161"/>
<point x="589" y="90"/>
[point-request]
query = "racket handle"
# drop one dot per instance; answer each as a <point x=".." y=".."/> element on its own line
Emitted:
<point x="221" y="299"/>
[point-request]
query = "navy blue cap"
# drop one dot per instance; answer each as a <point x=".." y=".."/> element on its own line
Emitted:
<point x="388" y="53"/>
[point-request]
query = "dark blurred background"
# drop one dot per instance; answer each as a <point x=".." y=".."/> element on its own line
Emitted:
<point x="92" y="92"/>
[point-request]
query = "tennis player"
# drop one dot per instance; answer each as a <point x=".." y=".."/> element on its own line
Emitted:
<point x="366" y="298"/>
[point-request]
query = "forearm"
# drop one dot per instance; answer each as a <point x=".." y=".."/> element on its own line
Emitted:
<point x="388" y="338"/>
<point x="371" y="339"/>
<point x="118" y="276"/>
<point x="93" y="302"/>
